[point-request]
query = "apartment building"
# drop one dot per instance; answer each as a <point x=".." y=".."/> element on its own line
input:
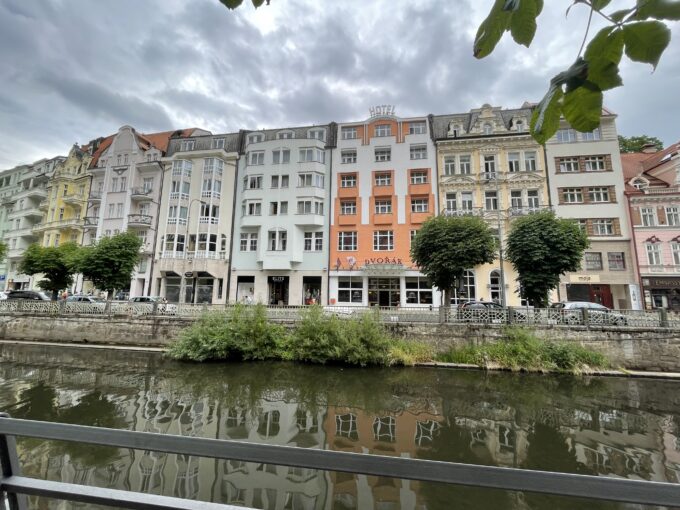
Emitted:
<point x="489" y="166"/>
<point x="587" y="185"/>
<point x="382" y="189"/>
<point x="280" y="249"/>
<point x="125" y="193"/>
<point x="195" y="226"/>
<point x="653" y="192"/>
<point x="21" y="215"/>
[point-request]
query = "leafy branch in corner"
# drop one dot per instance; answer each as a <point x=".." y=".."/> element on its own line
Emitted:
<point x="577" y="92"/>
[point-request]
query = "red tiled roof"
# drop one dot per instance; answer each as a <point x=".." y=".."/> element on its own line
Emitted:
<point x="632" y="164"/>
<point x="160" y="140"/>
<point x="655" y="158"/>
<point x="103" y="145"/>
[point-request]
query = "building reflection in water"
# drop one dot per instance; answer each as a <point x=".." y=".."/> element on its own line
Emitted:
<point x="613" y="427"/>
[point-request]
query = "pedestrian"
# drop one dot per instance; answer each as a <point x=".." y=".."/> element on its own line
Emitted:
<point x="64" y="295"/>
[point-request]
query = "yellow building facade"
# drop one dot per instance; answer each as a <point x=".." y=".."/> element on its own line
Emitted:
<point x="488" y="165"/>
<point x="66" y="200"/>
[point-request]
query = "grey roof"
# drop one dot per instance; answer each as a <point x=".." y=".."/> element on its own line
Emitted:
<point x="204" y="142"/>
<point x="467" y="121"/>
<point x="298" y="132"/>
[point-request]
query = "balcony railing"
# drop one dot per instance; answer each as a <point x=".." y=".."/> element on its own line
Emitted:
<point x="95" y="195"/>
<point x="475" y="211"/>
<point x="660" y="268"/>
<point x="74" y="198"/>
<point x="69" y="223"/>
<point x="141" y="193"/>
<point x="139" y="220"/>
<point x="523" y="211"/>
<point x="91" y="221"/>
<point x="209" y="220"/>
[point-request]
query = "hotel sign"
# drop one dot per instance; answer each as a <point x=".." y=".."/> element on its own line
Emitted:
<point x="382" y="110"/>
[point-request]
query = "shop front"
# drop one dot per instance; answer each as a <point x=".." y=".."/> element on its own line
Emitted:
<point x="662" y="292"/>
<point x="290" y="288"/>
<point x="196" y="287"/>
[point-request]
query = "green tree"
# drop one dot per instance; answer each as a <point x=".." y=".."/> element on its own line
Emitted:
<point x="3" y="251"/>
<point x="542" y="247"/>
<point x="110" y="263"/>
<point x="636" y="143"/>
<point x="58" y="265"/>
<point x="446" y="246"/>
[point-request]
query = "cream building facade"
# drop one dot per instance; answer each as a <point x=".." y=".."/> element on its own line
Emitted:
<point x="488" y="165"/>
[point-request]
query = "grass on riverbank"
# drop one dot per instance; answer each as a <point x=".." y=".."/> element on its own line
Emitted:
<point x="521" y="350"/>
<point x="246" y="334"/>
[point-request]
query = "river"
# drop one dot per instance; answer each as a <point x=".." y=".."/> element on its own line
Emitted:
<point x="603" y="426"/>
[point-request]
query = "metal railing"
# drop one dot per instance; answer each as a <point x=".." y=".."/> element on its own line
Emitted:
<point x="14" y="487"/>
<point x="588" y="318"/>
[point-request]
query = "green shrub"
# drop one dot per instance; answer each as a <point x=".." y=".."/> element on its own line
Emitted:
<point x="409" y="353"/>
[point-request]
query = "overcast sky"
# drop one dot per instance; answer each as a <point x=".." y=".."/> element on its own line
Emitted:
<point x="73" y="70"/>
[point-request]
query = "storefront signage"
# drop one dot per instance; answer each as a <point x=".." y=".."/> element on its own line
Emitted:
<point x="670" y="282"/>
<point x="278" y="278"/>
<point x="382" y="261"/>
<point x="584" y="278"/>
<point x="188" y="274"/>
<point x="382" y="110"/>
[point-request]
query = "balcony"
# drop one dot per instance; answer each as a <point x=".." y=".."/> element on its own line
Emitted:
<point x="34" y="192"/>
<point x="27" y="232"/>
<point x="91" y="222"/>
<point x="9" y="200"/>
<point x="141" y="194"/>
<point x="139" y="220"/>
<point x="660" y="269"/>
<point x="75" y="199"/>
<point x="474" y="211"/>
<point x="69" y="224"/>
<point x="95" y="196"/>
<point x="43" y="205"/>
<point x="312" y="220"/>
<point x="210" y="194"/>
<point x="30" y="212"/>
<point x="514" y="212"/>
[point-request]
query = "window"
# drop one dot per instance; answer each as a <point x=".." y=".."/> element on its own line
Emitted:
<point x="284" y="135"/>
<point x="595" y="164"/>
<point x="487" y="128"/>
<point x="348" y="181"/>
<point x="653" y="254"/>
<point x="275" y="181"/>
<point x="569" y="165"/>
<point x="412" y="236"/>
<point x="640" y="184"/>
<point x="119" y="211"/>
<point x="147" y="184"/>
<point x="572" y="195"/>
<point x="418" y="151"/>
<point x="112" y="211"/>
<point x="516" y="199"/>
<point x="313" y="241"/>
<point x="451" y="204"/>
<point x="349" y="156"/>
<point x="465" y="166"/>
<point x="418" y="176"/>
<point x="466" y="202"/>
<point x="56" y="239"/>
<point x="278" y="208"/>
<point x="218" y="143"/>
<point x="256" y="138"/>
<point x="593" y="260"/>
<point x="347" y="241"/>
<point x="61" y="214"/>
<point x="348" y="207"/>
<point x="513" y="161"/>
<point x="583" y="225"/>
<point x="278" y="240"/>
<point x="310" y="180"/>
<point x="256" y="158"/>
<point x="673" y="216"/>
<point x="418" y="291"/>
<point x="317" y="134"/>
<point x="419" y="205"/>
<point x="383" y="179"/>
<point x="253" y="208"/>
<point x="566" y="135"/>
<point x="533" y="199"/>
<point x="309" y="207"/>
<point x="383" y="153"/>
<point x="530" y="161"/>
<point x="114" y="183"/>
<point x="490" y="167"/>
<point x="383" y="206"/>
<point x="383" y="130"/>
<point x="617" y="261"/>
<point x="181" y="167"/>
<point x="249" y="241"/>
<point x="591" y="135"/>
<point x="648" y="215"/>
<point x="350" y="290"/>
<point x="349" y="133"/>
<point x="416" y="128"/>
<point x="603" y="227"/>
<point x="675" y="251"/>
<point x="254" y="182"/>
<point x="491" y="200"/>
<point x="598" y="194"/>
<point x="310" y="154"/>
<point x="186" y="145"/>
<point x="449" y="165"/>
<point x="284" y="181"/>
<point x="281" y="156"/>
<point x="383" y="240"/>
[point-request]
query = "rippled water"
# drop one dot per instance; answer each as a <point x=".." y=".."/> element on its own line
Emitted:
<point x="605" y="426"/>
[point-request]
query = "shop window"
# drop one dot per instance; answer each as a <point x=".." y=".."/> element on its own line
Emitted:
<point x="350" y="290"/>
<point x="418" y="291"/>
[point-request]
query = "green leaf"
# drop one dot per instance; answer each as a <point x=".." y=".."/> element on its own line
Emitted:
<point x="620" y="14"/>
<point x="603" y="55"/>
<point x="604" y="74"/>
<point x="523" y="23"/>
<point x="582" y="107"/>
<point x="539" y="7"/>
<point x="257" y="3"/>
<point x="232" y="4"/>
<point x="546" y="117"/>
<point x="658" y="9"/>
<point x="598" y="5"/>
<point x="646" y="41"/>
<point x="491" y="30"/>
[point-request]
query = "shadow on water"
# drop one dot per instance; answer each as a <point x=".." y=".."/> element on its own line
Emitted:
<point x="609" y="427"/>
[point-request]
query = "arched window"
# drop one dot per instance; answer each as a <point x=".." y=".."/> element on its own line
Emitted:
<point x="640" y="183"/>
<point x="495" y="285"/>
<point x="520" y="125"/>
<point x="487" y="128"/>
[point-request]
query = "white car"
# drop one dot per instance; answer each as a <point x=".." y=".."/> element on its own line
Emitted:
<point x="143" y="305"/>
<point x="97" y="305"/>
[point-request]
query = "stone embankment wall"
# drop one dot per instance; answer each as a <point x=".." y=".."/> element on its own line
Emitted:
<point x="633" y="348"/>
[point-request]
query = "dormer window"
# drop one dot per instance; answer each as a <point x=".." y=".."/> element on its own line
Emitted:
<point x="256" y="138"/>
<point x="186" y="145"/>
<point x="487" y="128"/>
<point x="520" y="125"/>
<point x="639" y="183"/>
<point x="218" y="143"/>
<point x="317" y="134"/>
<point x="284" y="135"/>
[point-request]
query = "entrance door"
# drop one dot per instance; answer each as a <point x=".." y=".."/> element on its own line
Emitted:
<point x="278" y="290"/>
<point x="601" y="294"/>
<point x="383" y="291"/>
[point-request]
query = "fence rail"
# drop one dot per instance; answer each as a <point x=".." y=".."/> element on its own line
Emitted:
<point x="432" y="315"/>
<point x="14" y="487"/>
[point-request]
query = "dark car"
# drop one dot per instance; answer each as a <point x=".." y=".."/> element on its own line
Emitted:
<point x="28" y="294"/>
<point x="571" y="312"/>
<point x="481" y="311"/>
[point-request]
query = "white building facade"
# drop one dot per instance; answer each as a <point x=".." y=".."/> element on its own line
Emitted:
<point x="587" y="185"/>
<point x="280" y="252"/>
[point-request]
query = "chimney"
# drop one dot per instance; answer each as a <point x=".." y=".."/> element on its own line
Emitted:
<point x="649" y="148"/>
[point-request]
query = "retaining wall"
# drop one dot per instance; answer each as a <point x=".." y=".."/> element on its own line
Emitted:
<point x="655" y="349"/>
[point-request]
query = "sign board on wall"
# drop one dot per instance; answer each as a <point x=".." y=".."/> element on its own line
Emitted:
<point x="584" y="278"/>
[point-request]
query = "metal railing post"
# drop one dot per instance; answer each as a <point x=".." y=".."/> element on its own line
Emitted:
<point x="62" y="307"/>
<point x="154" y="308"/>
<point x="663" y="317"/>
<point x="586" y="317"/>
<point x="10" y="467"/>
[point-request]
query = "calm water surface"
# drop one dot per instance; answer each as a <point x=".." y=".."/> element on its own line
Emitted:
<point x="610" y="427"/>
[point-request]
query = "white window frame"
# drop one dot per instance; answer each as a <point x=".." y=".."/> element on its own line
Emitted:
<point x="349" y="132"/>
<point x="675" y="252"/>
<point x="278" y="241"/>
<point x="603" y="227"/>
<point x="348" y="156"/>
<point x="348" y="207"/>
<point x="383" y="206"/>
<point x="654" y="255"/>
<point x="417" y="127"/>
<point x="673" y="215"/>
<point x="648" y="217"/>
<point x="348" y="241"/>
<point x="256" y="158"/>
<point x="382" y="130"/>
<point x="418" y="151"/>
<point x="595" y="164"/>
<point x="383" y="240"/>
<point x="513" y="162"/>
<point x="348" y="180"/>
<point x="530" y="164"/>
<point x="569" y="165"/>
<point x="382" y="154"/>
<point x="418" y="177"/>
<point x="465" y="164"/>
<point x="599" y="195"/>
<point x="420" y="205"/>
<point x="449" y="165"/>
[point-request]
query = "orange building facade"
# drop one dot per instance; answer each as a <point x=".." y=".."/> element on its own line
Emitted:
<point x="382" y="189"/>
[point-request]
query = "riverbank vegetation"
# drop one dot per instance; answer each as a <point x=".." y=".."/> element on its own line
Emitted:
<point x="320" y="337"/>
<point x="521" y="350"/>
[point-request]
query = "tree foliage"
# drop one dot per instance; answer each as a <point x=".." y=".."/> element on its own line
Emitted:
<point x="445" y="247"/>
<point x="110" y="263"/>
<point x="542" y="247"/>
<point x="636" y="143"/>
<point x="57" y="264"/>
<point x="3" y="251"/>
<point x="233" y="4"/>
<point x="576" y="93"/>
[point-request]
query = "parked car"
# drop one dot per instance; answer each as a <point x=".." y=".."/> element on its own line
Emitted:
<point x="571" y="312"/>
<point x="163" y="307"/>
<point x="481" y="311"/>
<point x="95" y="303"/>
<point x="3" y="295"/>
<point x="28" y="294"/>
